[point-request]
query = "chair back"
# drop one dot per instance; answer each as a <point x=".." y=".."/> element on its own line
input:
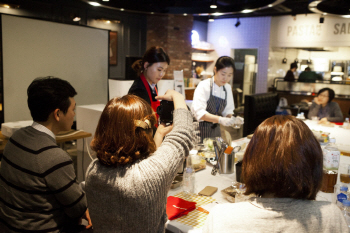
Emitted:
<point x="257" y="108"/>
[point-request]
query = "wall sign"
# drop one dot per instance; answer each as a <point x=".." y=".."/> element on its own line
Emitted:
<point x="307" y="31"/>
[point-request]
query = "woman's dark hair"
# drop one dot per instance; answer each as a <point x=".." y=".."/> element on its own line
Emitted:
<point x="330" y="93"/>
<point x="224" y="62"/>
<point x="152" y="55"/>
<point x="293" y="65"/>
<point x="283" y="158"/>
<point x="117" y="141"/>
<point x="45" y="94"/>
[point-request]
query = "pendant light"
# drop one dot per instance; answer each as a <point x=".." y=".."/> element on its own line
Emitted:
<point x="296" y="59"/>
<point x="284" y="60"/>
<point x="309" y="60"/>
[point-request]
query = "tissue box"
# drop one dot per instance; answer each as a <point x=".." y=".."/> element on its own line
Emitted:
<point x="8" y="128"/>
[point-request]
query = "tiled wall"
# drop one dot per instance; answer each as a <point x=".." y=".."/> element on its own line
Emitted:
<point x="251" y="33"/>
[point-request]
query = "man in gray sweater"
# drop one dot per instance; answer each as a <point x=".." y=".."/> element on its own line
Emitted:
<point x="38" y="187"/>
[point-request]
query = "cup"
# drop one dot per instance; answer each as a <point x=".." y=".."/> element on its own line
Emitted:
<point x="314" y="118"/>
<point x="344" y="173"/>
<point x="328" y="181"/>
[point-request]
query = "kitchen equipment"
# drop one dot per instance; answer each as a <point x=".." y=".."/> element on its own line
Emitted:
<point x="227" y="160"/>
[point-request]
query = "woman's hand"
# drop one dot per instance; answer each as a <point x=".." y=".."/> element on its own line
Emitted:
<point x="323" y="120"/>
<point x="86" y="216"/>
<point x="162" y="130"/>
<point x="171" y="95"/>
<point x="317" y="101"/>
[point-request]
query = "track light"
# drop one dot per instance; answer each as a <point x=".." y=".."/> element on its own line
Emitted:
<point x="213" y="5"/>
<point x="211" y="19"/>
<point x="321" y="19"/>
<point x="238" y="23"/>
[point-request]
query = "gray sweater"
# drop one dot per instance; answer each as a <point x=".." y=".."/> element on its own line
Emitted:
<point x="38" y="188"/>
<point x="276" y="215"/>
<point x="332" y="111"/>
<point x="133" y="198"/>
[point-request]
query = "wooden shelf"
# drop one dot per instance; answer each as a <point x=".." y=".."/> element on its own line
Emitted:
<point x="203" y="49"/>
<point x="203" y="60"/>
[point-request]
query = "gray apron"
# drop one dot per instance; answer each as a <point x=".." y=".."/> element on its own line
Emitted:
<point x="215" y="106"/>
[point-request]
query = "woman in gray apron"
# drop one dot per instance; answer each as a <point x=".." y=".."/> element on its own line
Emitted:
<point x="213" y="100"/>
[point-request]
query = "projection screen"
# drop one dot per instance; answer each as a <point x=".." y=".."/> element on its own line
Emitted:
<point x="35" y="48"/>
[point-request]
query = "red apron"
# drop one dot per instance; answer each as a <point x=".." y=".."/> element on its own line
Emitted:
<point x="154" y="104"/>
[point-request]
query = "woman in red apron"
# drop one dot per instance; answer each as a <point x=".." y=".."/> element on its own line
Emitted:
<point x="151" y="69"/>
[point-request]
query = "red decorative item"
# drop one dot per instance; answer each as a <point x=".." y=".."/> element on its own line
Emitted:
<point x="177" y="207"/>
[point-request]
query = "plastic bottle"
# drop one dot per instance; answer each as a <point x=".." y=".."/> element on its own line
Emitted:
<point x="346" y="211"/>
<point x="342" y="195"/>
<point x="331" y="156"/>
<point x="189" y="177"/>
<point x="346" y="123"/>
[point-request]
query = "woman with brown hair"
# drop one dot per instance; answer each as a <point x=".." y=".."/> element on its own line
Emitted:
<point x="127" y="185"/>
<point x="282" y="166"/>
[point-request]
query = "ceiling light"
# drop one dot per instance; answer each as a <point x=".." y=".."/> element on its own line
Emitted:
<point x="238" y="23"/>
<point x="105" y="0"/>
<point x="247" y="11"/>
<point x="94" y="4"/>
<point x="185" y="14"/>
<point x="8" y="6"/>
<point x="211" y="19"/>
<point x="213" y="4"/>
<point x="270" y="5"/>
<point x="217" y="14"/>
<point x="76" y="19"/>
<point x="121" y="9"/>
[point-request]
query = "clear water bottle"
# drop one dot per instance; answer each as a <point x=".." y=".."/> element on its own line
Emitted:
<point x="189" y="177"/>
<point x="342" y="195"/>
<point x="346" y="211"/>
<point x="331" y="156"/>
<point x="346" y="123"/>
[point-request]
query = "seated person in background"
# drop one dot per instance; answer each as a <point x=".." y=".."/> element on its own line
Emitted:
<point x="290" y="73"/>
<point x="127" y="185"/>
<point x="283" y="166"/>
<point x="38" y="188"/>
<point x="324" y="108"/>
<point x="308" y="76"/>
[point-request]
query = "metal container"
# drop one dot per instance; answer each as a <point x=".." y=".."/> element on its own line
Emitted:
<point x="227" y="163"/>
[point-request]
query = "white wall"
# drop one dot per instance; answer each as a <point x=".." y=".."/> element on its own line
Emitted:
<point x="252" y="33"/>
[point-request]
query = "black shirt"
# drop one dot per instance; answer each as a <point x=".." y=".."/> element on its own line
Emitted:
<point x="139" y="89"/>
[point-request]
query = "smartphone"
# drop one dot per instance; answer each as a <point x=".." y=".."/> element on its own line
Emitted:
<point x="208" y="191"/>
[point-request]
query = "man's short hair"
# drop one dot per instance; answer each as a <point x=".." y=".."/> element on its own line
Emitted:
<point x="293" y="65"/>
<point x="45" y="94"/>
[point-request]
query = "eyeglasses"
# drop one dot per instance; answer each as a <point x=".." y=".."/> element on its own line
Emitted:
<point x="326" y="96"/>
